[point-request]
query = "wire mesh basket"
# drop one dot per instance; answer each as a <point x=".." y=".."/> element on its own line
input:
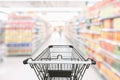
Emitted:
<point x="60" y="62"/>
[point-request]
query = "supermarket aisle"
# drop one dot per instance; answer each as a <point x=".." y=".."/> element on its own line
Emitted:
<point x="56" y="39"/>
<point x="13" y="69"/>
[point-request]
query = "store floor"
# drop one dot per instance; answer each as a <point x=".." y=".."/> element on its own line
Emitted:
<point x="13" y="69"/>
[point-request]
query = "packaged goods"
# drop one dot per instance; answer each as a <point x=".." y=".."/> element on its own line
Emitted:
<point x="107" y="46"/>
<point x="117" y="50"/>
<point x="109" y="73"/>
<point x="108" y="23"/>
<point x="116" y="23"/>
<point x="107" y="35"/>
<point x="117" y="36"/>
<point x="116" y="66"/>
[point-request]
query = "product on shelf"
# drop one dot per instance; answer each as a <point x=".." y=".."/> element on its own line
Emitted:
<point x="107" y="46"/>
<point x="19" y="33"/>
<point x="107" y="10"/>
<point x="96" y="56"/>
<point x="107" y="71"/>
<point x="98" y="59"/>
<point x="107" y="34"/>
<point x="107" y="59"/>
<point x="112" y="64"/>
<point x="102" y="31"/>
<point x="116" y="65"/>
<point x="117" y="8"/>
<point x="116" y="23"/>
<point x="117" y="36"/>
<point x="109" y="38"/>
<point x="117" y="50"/>
<point x="107" y="23"/>
<point x="96" y="20"/>
<point x="95" y="28"/>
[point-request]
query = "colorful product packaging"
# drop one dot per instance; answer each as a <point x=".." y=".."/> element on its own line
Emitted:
<point x="107" y="23"/>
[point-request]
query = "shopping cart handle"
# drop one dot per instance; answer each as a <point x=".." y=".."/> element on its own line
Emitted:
<point x="93" y="61"/>
<point x="51" y="46"/>
<point x="26" y="61"/>
<point x="70" y="46"/>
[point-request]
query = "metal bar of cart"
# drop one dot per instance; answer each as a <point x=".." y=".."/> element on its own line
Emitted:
<point x="53" y="64"/>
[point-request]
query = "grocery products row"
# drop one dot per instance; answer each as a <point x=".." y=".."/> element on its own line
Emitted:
<point x="23" y="33"/>
<point x="98" y="35"/>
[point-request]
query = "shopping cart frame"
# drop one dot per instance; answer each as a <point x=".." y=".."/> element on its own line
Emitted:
<point x="74" y="68"/>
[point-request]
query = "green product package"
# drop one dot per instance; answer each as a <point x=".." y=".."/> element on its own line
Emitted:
<point x="117" y="50"/>
<point x="116" y="23"/>
<point x="116" y="66"/>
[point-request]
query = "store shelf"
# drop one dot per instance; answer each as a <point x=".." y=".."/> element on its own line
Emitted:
<point x="112" y="69"/>
<point x="90" y="32"/>
<point x="93" y="24"/>
<point x="110" y="17"/>
<point x="110" y="30"/>
<point x="93" y="34"/>
<point x="111" y="42"/>
<point x="79" y="41"/>
<point x="96" y="50"/>
<point x="101" y="73"/>
<point x="82" y="42"/>
<point x="23" y="30"/>
<point x="110" y="54"/>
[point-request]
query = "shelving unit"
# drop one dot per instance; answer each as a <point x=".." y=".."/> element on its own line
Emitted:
<point x="39" y="33"/>
<point x="18" y="34"/>
<point x="115" y="57"/>
<point x="25" y="33"/>
<point x="99" y="34"/>
<point x="110" y="47"/>
<point x="109" y="39"/>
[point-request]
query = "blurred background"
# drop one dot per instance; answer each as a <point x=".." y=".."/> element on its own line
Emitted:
<point x="28" y="26"/>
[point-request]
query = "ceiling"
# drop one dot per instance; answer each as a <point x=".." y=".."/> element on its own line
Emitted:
<point x="42" y="4"/>
<point x="54" y="11"/>
<point x="45" y="3"/>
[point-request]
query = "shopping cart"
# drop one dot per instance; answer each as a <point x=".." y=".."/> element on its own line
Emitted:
<point x="59" y="62"/>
